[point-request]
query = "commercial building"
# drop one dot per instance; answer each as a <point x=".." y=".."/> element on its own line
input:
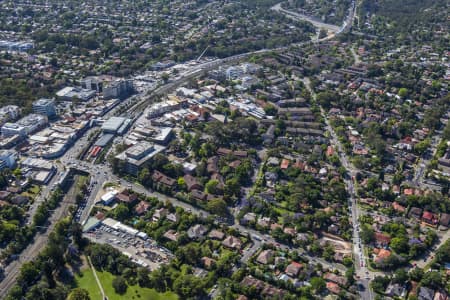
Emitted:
<point x="45" y="107"/>
<point x="41" y="170"/>
<point x="116" y="125"/>
<point x="120" y="88"/>
<point x="104" y="140"/>
<point x="110" y="86"/>
<point x="53" y="141"/>
<point x="160" y="135"/>
<point x="161" y="108"/>
<point x="109" y="197"/>
<point x="91" y="224"/>
<point x="7" y="159"/>
<point x="25" y="126"/>
<point x="116" y="225"/>
<point x="96" y="83"/>
<point x="11" y="129"/>
<point x="9" y="142"/>
<point x="70" y="93"/>
<point x="37" y="164"/>
<point x="136" y="156"/>
<point x="15" y="46"/>
<point x="9" y="113"/>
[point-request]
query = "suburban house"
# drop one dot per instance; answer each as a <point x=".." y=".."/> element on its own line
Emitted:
<point x="293" y="269"/>
<point x="142" y="207"/>
<point x="232" y="242"/>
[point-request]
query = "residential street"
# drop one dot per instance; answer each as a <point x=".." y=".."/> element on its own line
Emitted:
<point x="360" y="260"/>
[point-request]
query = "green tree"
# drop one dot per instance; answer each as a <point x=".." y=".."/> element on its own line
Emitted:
<point x="432" y="279"/>
<point x="416" y="274"/>
<point x="28" y="273"/>
<point x="188" y="286"/>
<point x="367" y="234"/>
<point x="211" y="186"/>
<point x="120" y="285"/>
<point x="380" y="283"/>
<point x="165" y="77"/>
<point x="79" y="294"/>
<point x="400" y="276"/>
<point x="121" y="212"/>
<point x="181" y="184"/>
<point x="443" y="253"/>
<point x="270" y="110"/>
<point x="144" y="177"/>
<point x="403" y="92"/>
<point x="328" y="252"/>
<point x="15" y="293"/>
<point x="143" y="277"/>
<point x="399" y="245"/>
<point x="218" y="207"/>
<point x="422" y="146"/>
<point x="318" y="284"/>
<point x="17" y="172"/>
<point x="349" y="275"/>
<point x="446" y="132"/>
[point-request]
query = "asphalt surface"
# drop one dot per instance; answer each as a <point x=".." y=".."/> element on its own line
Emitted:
<point x="360" y="261"/>
<point x="315" y="21"/>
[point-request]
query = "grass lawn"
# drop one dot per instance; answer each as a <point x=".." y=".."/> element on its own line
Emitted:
<point x="32" y="191"/>
<point x="80" y="181"/>
<point x="87" y="281"/>
<point x="110" y="184"/>
<point x="281" y="210"/>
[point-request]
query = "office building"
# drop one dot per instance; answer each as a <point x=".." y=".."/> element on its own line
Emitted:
<point x="111" y="87"/>
<point x="71" y="93"/>
<point x="7" y="159"/>
<point x="25" y="126"/>
<point x="138" y="155"/>
<point x="9" y="113"/>
<point x="45" y="107"/>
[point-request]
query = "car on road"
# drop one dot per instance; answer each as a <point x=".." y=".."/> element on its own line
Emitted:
<point x="256" y="237"/>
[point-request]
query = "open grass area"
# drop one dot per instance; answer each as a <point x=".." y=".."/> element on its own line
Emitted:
<point x="87" y="281"/>
<point x="80" y="181"/>
<point x="32" y="191"/>
<point x="110" y="184"/>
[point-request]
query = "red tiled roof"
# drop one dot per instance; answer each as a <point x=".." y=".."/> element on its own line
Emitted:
<point x="284" y="164"/>
<point x="382" y="238"/>
<point x="125" y="196"/>
<point x="427" y="215"/>
<point x="333" y="287"/>
<point x="142" y="207"/>
<point x="398" y="207"/>
<point x="330" y="151"/>
<point x="408" y="192"/>
<point x="382" y="254"/>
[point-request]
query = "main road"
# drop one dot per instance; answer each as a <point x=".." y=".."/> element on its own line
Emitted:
<point x="315" y="21"/>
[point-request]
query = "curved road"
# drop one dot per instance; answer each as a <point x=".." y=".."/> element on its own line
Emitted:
<point x="297" y="16"/>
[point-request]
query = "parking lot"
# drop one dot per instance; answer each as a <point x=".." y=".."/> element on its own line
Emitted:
<point x="143" y="252"/>
<point x="83" y="203"/>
